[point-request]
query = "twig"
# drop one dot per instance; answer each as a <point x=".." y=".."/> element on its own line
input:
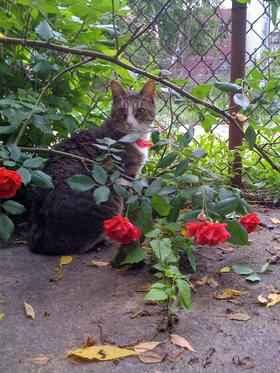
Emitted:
<point x="116" y="61"/>
<point x="114" y="25"/>
<point x="137" y="34"/>
<point x="46" y="87"/>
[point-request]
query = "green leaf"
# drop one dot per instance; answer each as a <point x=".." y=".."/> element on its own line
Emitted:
<point x="185" y="293"/>
<point x="198" y="153"/>
<point x="120" y="190"/>
<point x="15" y="151"/>
<point x="241" y="100"/>
<point x="207" y="122"/>
<point x="189" y="251"/>
<point x="181" y="168"/>
<point x="6" y="227"/>
<point x="187" y="137"/>
<point x="41" y="179"/>
<point x="201" y="91"/>
<point x="226" y="206"/>
<point x="163" y="249"/>
<point x="167" y="160"/>
<point x="167" y="190"/>
<point x="191" y="216"/>
<point x="135" y="256"/>
<point x="227" y="87"/>
<point x="101" y="194"/>
<point x="189" y="179"/>
<point x="99" y="174"/>
<point x="161" y="205"/>
<point x="250" y="136"/>
<point x="137" y="185"/>
<point x="25" y="175"/>
<point x="33" y="162"/>
<point x="44" y="30"/>
<point x="13" y="207"/>
<point x="9" y="163"/>
<point x="239" y="235"/>
<point x="254" y="277"/>
<point x="132" y="137"/>
<point x="156" y="295"/>
<point x="80" y="183"/>
<point x="115" y="175"/>
<point x="242" y="269"/>
<point x="155" y="233"/>
<point x="153" y="188"/>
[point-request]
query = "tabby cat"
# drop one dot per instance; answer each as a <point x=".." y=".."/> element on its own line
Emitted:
<point x="64" y="222"/>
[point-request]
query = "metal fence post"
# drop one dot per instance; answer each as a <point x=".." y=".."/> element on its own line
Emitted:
<point x="237" y="70"/>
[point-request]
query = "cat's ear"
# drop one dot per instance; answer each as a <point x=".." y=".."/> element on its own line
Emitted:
<point x="117" y="89"/>
<point x="148" y="90"/>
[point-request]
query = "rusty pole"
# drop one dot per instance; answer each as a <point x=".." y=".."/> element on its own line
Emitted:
<point x="237" y="70"/>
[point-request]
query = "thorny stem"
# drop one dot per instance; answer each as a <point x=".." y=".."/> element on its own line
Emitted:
<point x="129" y="67"/>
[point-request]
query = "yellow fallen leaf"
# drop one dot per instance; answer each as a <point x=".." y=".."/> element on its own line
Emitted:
<point x="235" y="292"/>
<point x="2" y="315"/>
<point x="275" y="220"/>
<point x="273" y="299"/>
<point x="151" y="357"/>
<point x="225" y="270"/>
<point x="39" y="360"/>
<point x="146" y="346"/>
<point x="262" y="299"/>
<point x="64" y="260"/>
<point x="97" y="264"/>
<point x="29" y="311"/>
<point x="181" y="342"/>
<point x="102" y="353"/>
<point x="239" y="316"/>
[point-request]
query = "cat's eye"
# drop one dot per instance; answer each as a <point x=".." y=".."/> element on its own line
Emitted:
<point x="121" y="111"/>
<point x="140" y="111"/>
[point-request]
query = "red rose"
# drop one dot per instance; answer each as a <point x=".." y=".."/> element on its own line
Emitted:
<point x="10" y="182"/>
<point x="206" y="233"/>
<point x="120" y="229"/>
<point x="144" y="144"/>
<point x="250" y="222"/>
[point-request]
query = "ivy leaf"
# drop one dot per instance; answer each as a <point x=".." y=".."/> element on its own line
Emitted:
<point x="13" y="207"/>
<point x="161" y="205"/>
<point x="6" y="227"/>
<point x="41" y="179"/>
<point x="99" y="174"/>
<point x="101" y="194"/>
<point x="250" y="136"/>
<point x="241" y="100"/>
<point x="167" y="160"/>
<point x="80" y="183"/>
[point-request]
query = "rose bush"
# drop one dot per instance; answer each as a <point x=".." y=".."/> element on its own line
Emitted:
<point x="121" y="230"/>
<point x="10" y="183"/>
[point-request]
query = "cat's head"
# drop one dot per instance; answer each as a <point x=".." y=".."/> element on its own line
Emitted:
<point x="133" y="111"/>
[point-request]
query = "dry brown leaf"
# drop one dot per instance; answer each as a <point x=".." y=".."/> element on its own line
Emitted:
<point x="234" y="292"/>
<point x="2" y="301"/>
<point x="151" y="357"/>
<point x="207" y="280"/>
<point x="221" y="295"/>
<point x="146" y="346"/>
<point x="2" y="315"/>
<point x="228" y="250"/>
<point x="177" y="357"/>
<point x="64" y="260"/>
<point x="39" y="360"/>
<point x="97" y="264"/>
<point x="101" y="353"/>
<point x="272" y="289"/>
<point x="143" y="288"/>
<point x="225" y="270"/>
<point x="91" y="341"/>
<point x="275" y="220"/>
<point x="246" y="362"/>
<point x="141" y="313"/>
<point x="273" y="300"/>
<point x="57" y="275"/>
<point x="239" y="316"/>
<point x="29" y="311"/>
<point x="46" y="316"/>
<point x="262" y="299"/>
<point x="125" y="268"/>
<point x="181" y="342"/>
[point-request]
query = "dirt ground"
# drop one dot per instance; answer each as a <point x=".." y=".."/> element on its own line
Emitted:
<point x="103" y="303"/>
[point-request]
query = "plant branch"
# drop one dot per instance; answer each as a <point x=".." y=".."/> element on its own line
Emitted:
<point x="114" y="25"/>
<point x="129" y="67"/>
<point x="138" y="32"/>
<point x="44" y="90"/>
